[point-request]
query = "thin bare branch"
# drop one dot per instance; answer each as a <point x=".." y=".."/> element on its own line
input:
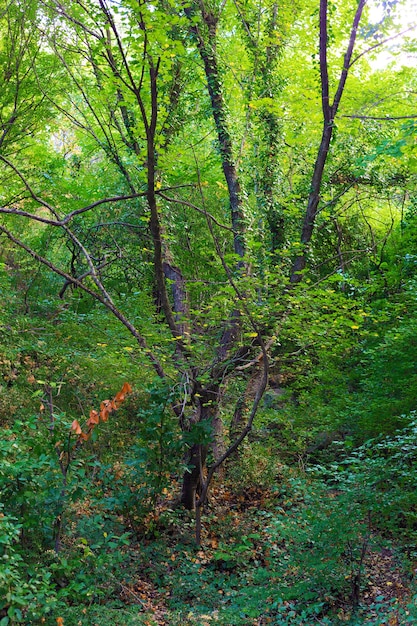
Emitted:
<point x="381" y="43"/>
<point x="386" y="118"/>
<point x="94" y="294"/>
<point x="196" y="208"/>
<point x="67" y="218"/>
<point x="62" y="11"/>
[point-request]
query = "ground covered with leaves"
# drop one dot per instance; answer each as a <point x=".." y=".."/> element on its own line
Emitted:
<point x="283" y="555"/>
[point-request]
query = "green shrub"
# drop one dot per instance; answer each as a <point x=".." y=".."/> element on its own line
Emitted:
<point x="26" y="589"/>
<point x="380" y="476"/>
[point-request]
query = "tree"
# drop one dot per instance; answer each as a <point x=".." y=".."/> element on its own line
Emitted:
<point x="120" y="104"/>
<point x="109" y="88"/>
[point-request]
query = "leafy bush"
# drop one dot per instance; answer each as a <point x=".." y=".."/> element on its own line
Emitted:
<point x="320" y="544"/>
<point x="26" y="589"/>
<point x="380" y="476"/>
<point x="29" y="481"/>
<point x="135" y="484"/>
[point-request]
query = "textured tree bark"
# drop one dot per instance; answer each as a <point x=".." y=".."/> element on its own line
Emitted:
<point x="179" y="297"/>
<point x="272" y="144"/>
<point x="207" y="402"/>
<point x="191" y="483"/>
<point x="207" y="48"/>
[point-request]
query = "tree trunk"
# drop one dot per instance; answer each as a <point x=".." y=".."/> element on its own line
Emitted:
<point x="207" y="401"/>
<point x="300" y="261"/>
<point x="329" y="115"/>
<point x="207" y="48"/>
<point x="191" y="481"/>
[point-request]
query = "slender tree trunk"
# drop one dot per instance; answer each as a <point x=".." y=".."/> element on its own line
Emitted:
<point x="209" y="411"/>
<point x="207" y="48"/>
<point x="300" y="261"/>
<point x="329" y="115"/>
<point x="191" y="482"/>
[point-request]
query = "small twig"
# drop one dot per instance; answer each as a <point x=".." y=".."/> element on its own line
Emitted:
<point x="127" y="590"/>
<point x="196" y="208"/>
<point x="381" y="43"/>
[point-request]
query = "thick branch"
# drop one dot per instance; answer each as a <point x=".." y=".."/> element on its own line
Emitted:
<point x="324" y="72"/>
<point x="347" y="64"/>
<point x="179" y="296"/>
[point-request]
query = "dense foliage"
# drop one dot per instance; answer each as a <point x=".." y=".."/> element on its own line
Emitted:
<point x="208" y="281"/>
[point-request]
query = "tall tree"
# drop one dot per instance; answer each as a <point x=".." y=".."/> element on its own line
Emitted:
<point x="122" y="92"/>
<point x="329" y="109"/>
<point x="134" y="143"/>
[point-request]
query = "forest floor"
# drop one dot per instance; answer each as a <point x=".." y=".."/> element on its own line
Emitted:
<point x="245" y="574"/>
